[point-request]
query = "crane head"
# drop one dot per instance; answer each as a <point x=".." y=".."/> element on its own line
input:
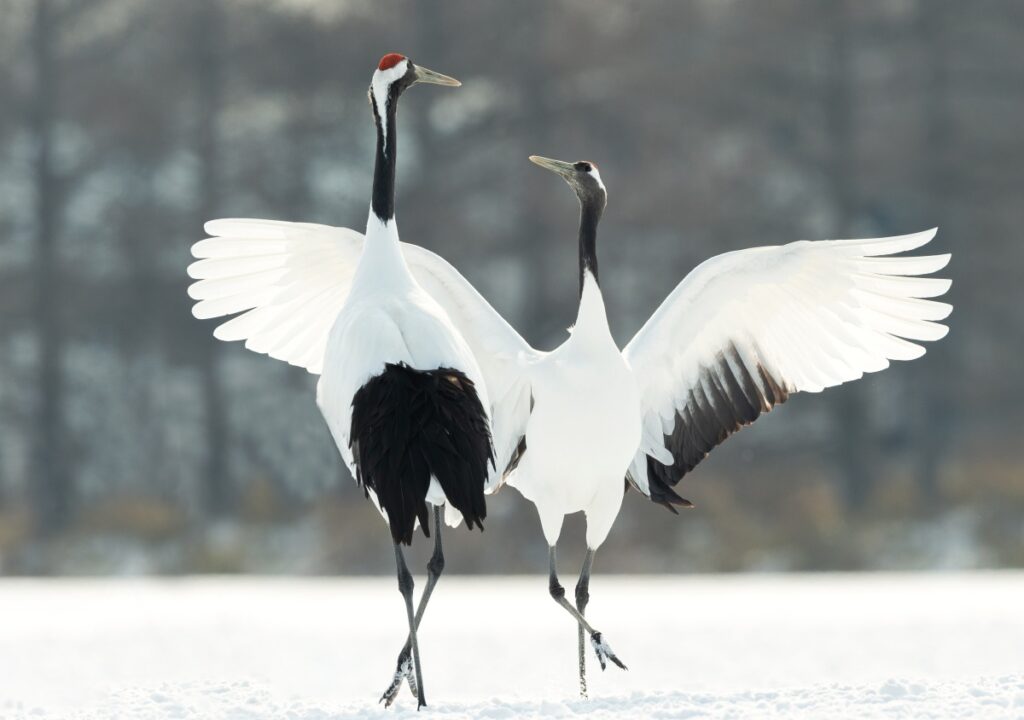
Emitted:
<point x="582" y="176"/>
<point x="395" y="72"/>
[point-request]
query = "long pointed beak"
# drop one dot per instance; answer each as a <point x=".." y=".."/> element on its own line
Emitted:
<point x="562" y="168"/>
<point x="424" y="75"/>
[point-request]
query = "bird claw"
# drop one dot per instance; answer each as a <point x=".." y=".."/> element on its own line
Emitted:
<point x="604" y="651"/>
<point x="403" y="673"/>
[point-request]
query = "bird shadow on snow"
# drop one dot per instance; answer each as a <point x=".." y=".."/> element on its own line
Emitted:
<point x="992" y="697"/>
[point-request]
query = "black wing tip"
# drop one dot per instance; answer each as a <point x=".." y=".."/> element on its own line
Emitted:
<point x="671" y="504"/>
<point x="663" y="494"/>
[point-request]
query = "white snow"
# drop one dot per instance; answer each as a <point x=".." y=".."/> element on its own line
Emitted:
<point x="764" y="646"/>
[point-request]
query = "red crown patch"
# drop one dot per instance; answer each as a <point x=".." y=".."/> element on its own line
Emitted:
<point x="389" y="61"/>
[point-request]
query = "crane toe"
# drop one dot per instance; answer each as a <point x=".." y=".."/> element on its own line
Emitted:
<point x="403" y="673"/>
<point x="604" y="651"/>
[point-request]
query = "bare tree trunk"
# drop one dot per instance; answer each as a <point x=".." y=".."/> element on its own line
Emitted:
<point x="933" y="426"/>
<point x="533" y="231"/>
<point x="852" y="441"/>
<point x="430" y="43"/>
<point x="209" y="68"/>
<point x="51" y="483"/>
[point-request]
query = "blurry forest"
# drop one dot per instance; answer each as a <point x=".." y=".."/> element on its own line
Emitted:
<point x="132" y="442"/>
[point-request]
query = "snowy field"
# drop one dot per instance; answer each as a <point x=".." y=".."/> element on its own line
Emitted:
<point x="822" y="646"/>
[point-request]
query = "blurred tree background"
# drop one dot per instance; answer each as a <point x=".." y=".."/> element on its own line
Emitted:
<point x="132" y="442"/>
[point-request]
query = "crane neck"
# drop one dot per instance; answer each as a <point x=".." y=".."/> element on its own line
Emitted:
<point x="382" y="267"/>
<point x="591" y="209"/>
<point x="382" y="201"/>
<point x="591" y="318"/>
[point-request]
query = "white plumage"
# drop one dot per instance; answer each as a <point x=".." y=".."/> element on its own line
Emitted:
<point x="812" y="314"/>
<point x="292" y="278"/>
<point x="584" y="428"/>
<point x="305" y="276"/>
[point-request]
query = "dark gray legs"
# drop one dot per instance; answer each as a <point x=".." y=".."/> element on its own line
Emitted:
<point x="601" y="648"/>
<point x="582" y="598"/>
<point x="558" y="593"/>
<point x="406" y="664"/>
<point x="405" y="586"/>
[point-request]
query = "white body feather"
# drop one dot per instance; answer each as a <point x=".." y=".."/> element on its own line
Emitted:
<point x="584" y="429"/>
<point x="325" y="299"/>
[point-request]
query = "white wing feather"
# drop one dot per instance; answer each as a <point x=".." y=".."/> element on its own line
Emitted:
<point x="745" y="329"/>
<point x="292" y="279"/>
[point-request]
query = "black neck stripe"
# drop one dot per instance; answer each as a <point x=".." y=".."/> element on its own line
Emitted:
<point x="591" y="208"/>
<point x="382" y="200"/>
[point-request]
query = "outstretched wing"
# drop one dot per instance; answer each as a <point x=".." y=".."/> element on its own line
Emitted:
<point x="290" y="281"/>
<point x="746" y="329"/>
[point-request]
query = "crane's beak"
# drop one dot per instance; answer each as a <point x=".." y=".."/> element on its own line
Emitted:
<point x="434" y="78"/>
<point x="562" y="168"/>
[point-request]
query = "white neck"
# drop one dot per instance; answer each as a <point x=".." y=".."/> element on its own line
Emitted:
<point x="591" y="319"/>
<point x="382" y="267"/>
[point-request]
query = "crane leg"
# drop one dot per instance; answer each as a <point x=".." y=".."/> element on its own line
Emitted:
<point x="582" y="598"/>
<point x="403" y="669"/>
<point x="601" y="648"/>
<point x="405" y="586"/>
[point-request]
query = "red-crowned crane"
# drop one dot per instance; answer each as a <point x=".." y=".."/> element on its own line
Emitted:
<point x="742" y="332"/>
<point x="400" y="389"/>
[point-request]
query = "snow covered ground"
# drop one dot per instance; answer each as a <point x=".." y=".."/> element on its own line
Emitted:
<point x="815" y="646"/>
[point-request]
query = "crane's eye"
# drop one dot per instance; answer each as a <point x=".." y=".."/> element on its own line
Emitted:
<point x="582" y="166"/>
